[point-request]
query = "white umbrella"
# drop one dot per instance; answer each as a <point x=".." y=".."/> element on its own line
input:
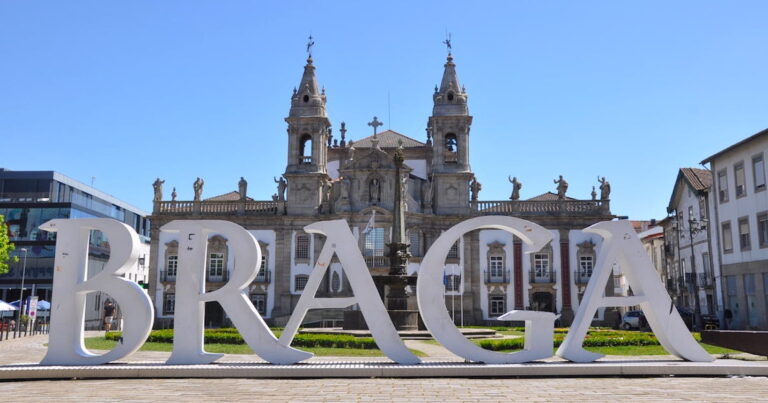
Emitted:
<point x="4" y="306"/>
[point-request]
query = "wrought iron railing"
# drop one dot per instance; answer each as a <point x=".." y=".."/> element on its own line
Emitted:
<point x="167" y="277"/>
<point x="216" y="278"/>
<point x="582" y="277"/>
<point x="264" y="276"/>
<point x="542" y="276"/>
<point x="496" y="277"/>
<point x="376" y="261"/>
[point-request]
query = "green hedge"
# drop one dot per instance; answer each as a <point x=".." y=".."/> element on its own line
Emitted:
<point x="231" y="336"/>
<point x="603" y="338"/>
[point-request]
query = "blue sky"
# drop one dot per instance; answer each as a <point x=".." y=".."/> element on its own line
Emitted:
<point x="131" y="91"/>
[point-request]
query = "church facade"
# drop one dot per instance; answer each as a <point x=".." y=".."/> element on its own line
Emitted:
<point x="487" y="272"/>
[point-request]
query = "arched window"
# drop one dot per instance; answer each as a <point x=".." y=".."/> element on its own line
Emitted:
<point x="451" y="148"/>
<point x="305" y="149"/>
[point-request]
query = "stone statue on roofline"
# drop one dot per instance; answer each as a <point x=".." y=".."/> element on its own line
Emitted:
<point x="281" y="186"/>
<point x="173" y="194"/>
<point x="605" y="188"/>
<point x="562" y="187"/>
<point x="475" y="187"/>
<point x="158" y="186"/>
<point x="198" y="187"/>
<point x="242" y="187"/>
<point x="516" y="185"/>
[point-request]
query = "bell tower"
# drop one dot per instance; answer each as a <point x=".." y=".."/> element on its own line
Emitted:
<point x="308" y="131"/>
<point x="449" y="128"/>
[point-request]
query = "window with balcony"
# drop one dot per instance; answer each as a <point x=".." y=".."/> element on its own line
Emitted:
<point x="541" y="264"/>
<point x="722" y="186"/>
<point x="171" y="266"/>
<point x="741" y="183"/>
<point x="586" y="264"/>
<point x="496" y="266"/>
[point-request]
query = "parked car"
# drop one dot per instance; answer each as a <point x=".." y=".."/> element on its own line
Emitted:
<point x="708" y="322"/>
<point x="633" y="320"/>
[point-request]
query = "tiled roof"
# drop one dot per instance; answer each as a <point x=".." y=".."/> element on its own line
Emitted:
<point x="549" y="196"/>
<point x="233" y="195"/>
<point x="700" y="179"/>
<point x="388" y="139"/>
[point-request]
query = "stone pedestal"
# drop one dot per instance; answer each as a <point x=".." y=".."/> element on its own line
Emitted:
<point x="392" y="290"/>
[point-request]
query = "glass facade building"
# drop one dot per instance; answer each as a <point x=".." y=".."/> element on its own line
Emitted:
<point x="31" y="198"/>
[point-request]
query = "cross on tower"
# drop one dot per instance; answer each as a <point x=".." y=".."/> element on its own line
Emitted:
<point x="375" y="124"/>
<point x="310" y="43"/>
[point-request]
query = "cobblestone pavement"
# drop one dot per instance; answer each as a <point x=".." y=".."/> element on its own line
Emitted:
<point x="32" y="349"/>
<point x="439" y="389"/>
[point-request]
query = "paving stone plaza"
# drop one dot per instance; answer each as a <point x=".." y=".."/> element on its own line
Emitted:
<point x="31" y="349"/>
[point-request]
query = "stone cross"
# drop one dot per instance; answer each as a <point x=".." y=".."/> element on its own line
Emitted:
<point x="375" y="124"/>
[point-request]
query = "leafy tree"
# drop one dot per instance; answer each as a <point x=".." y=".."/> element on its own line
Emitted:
<point x="6" y="247"/>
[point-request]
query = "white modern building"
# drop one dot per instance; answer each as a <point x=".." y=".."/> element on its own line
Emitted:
<point x="739" y="217"/>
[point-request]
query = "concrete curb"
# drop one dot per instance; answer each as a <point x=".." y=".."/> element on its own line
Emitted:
<point x="383" y="369"/>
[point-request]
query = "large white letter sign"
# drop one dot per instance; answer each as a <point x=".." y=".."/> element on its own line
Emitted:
<point x="539" y="334"/>
<point x="430" y="295"/>
<point x="622" y="246"/>
<point x="341" y="242"/>
<point x="65" y="344"/>
<point x="191" y="296"/>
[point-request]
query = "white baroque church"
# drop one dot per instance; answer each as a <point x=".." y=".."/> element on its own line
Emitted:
<point x="487" y="272"/>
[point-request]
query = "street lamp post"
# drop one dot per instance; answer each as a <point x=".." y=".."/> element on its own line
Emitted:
<point x="21" y="298"/>
<point x="695" y="227"/>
